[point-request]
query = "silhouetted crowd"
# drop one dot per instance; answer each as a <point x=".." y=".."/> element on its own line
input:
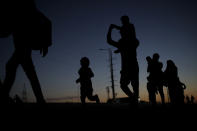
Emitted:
<point x="31" y="30"/>
<point x="169" y="78"/>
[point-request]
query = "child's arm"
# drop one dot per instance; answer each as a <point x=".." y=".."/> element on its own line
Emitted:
<point x="109" y="38"/>
<point x="115" y="26"/>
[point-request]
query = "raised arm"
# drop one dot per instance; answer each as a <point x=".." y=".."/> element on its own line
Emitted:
<point x="109" y="39"/>
<point x="115" y="26"/>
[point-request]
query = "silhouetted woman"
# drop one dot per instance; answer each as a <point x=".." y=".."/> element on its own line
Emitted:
<point x="175" y="87"/>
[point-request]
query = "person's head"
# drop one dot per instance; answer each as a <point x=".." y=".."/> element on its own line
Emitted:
<point x="156" y="57"/>
<point x="148" y="59"/>
<point x="125" y="20"/>
<point x="84" y="62"/>
<point x="170" y="63"/>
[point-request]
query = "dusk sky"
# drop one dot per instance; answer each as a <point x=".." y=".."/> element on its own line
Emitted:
<point x="167" y="27"/>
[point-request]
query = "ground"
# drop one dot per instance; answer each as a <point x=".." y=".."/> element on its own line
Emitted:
<point x="99" y="115"/>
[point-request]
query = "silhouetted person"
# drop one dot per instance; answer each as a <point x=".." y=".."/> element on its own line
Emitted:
<point x="127" y="46"/>
<point x="157" y="74"/>
<point x="150" y="86"/>
<point x="180" y="92"/>
<point x="188" y="100"/>
<point x="85" y="75"/>
<point x="127" y="30"/>
<point x="31" y="30"/>
<point x="175" y="87"/>
<point x="155" y="78"/>
<point x="192" y="99"/>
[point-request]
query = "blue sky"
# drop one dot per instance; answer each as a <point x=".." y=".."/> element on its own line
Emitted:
<point x="79" y="29"/>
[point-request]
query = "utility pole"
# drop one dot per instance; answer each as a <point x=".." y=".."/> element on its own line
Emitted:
<point x="108" y="91"/>
<point x="111" y="72"/>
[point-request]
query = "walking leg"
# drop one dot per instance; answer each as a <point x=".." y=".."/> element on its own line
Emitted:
<point x="28" y="67"/>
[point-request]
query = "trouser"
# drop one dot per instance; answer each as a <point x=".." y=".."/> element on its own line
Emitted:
<point x="160" y="89"/>
<point x="133" y="78"/>
<point x="152" y="89"/>
<point x="152" y="93"/>
<point x="22" y="57"/>
<point x="176" y="95"/>
<point x="89" y="94"/>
